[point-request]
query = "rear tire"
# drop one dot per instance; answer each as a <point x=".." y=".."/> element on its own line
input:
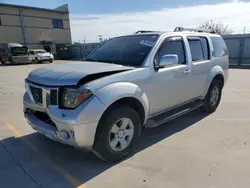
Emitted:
<point x="117" y="134"/>
<point x="213" y="97"/>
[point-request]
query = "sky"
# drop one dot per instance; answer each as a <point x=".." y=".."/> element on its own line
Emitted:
<point x="111" y="18"/>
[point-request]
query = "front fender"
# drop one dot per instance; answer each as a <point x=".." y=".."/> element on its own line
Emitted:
<point x="211" y="74"/>
<point x="113" y="92"/>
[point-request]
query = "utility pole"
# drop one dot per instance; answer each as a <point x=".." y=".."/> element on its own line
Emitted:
<point x="244" y="30"/>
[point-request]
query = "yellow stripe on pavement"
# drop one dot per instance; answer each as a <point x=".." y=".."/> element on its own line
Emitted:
<point x="67" y="175"/>
<point x="14" y="130"/>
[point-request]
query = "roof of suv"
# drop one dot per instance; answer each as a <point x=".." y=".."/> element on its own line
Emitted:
<point x="180" y="33"/>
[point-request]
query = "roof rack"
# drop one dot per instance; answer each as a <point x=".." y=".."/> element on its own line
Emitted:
<point x="143" y="31"/>
<point x="180" y="29"/>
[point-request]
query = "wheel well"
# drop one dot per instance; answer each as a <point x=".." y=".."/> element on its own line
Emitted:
<point x="127" y="101"/>
<point x="133" y="103"/>
<point x="220" y="79"/>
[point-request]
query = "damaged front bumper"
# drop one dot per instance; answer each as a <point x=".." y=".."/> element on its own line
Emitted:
<point x="72" y="127"/>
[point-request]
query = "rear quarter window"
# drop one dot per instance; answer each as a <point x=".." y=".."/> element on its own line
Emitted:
<point x="220" y="47"/>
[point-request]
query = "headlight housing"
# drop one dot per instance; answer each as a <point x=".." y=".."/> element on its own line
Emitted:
<point x="72" y="97"/>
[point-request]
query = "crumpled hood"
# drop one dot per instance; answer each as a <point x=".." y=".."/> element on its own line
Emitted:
<point x="71" y="73"/>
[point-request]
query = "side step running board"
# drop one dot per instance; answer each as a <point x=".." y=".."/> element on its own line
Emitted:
<point x="172" y="114"/>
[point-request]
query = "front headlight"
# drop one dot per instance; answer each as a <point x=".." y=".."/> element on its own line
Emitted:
<point x="71" y="97"/>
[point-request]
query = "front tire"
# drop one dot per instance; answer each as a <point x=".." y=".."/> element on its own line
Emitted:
<point x="117" y="134"/>
<point x="37" y="61"/>
<point x="213" y="97"/>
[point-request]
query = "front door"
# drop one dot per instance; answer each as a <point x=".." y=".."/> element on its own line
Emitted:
<point x="170" y="84"/>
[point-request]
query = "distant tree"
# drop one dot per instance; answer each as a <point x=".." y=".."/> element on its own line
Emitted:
<point x="100" y="38"/>
<point x="216" y="27"/>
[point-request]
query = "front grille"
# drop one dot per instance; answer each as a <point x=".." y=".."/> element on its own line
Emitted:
<point x="53" y="97"/>
<point x="37" y="94"/>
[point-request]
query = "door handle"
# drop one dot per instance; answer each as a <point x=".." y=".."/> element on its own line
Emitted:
<point x="187" y="71"/>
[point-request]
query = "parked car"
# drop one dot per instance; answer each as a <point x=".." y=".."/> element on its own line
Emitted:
<point x="144" y="79"/>
<point x="12" y="53"/>
<point x="40" y="55"/>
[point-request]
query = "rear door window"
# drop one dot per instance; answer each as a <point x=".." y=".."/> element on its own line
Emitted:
<point x="205" y="47"/>
<point x="220" y="47"/>
<point x="196" y="49"/>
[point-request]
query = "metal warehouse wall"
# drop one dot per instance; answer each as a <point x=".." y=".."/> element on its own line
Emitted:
<point x="238" y="48"/>
<point x="35" y="27"/>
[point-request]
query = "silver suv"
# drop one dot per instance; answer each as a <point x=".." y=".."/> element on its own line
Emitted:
<point x="144" y="79"/>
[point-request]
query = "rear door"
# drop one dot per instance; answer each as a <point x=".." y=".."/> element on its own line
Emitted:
<point x="201" y="64"/>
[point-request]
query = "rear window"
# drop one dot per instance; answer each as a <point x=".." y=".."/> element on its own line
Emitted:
<point x="220" y="48"/>
<point x="19" y="50"/>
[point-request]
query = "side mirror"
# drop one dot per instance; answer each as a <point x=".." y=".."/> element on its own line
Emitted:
<point x="170" y="59"/>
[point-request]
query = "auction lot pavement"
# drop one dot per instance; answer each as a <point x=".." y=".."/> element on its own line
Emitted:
<point x="194" y="151"/>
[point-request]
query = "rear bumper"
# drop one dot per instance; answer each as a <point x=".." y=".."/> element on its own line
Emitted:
<point x="21" y="61"/>
<point x="72" y="127"/>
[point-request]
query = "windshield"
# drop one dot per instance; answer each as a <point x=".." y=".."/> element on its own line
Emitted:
<point x="41" y="52"/>
<point x="127" y="50"/>
<point x="19" y="50"/>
